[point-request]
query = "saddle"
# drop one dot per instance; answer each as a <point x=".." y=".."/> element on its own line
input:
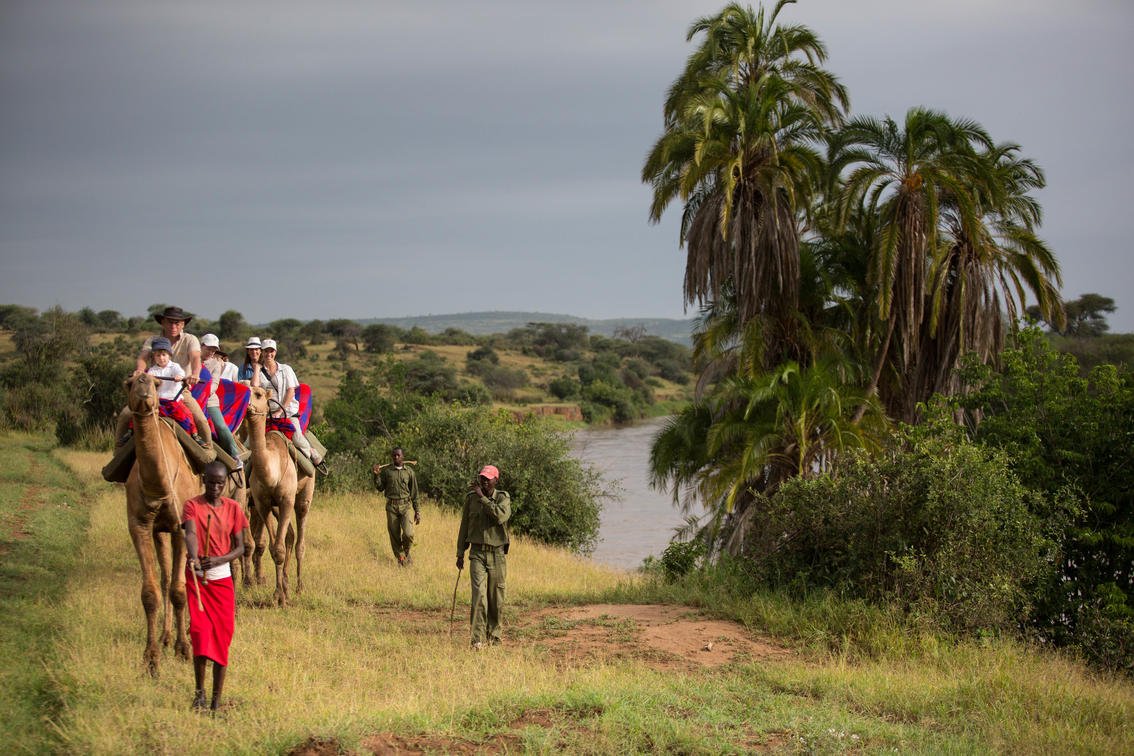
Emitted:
<point x="117" y="470"/>
<point x="302" y="462"/>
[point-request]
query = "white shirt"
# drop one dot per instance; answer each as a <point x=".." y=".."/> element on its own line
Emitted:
<point x="231" y="372"/>
<point x="283" y="380"/>
<point x="168" y="389"/>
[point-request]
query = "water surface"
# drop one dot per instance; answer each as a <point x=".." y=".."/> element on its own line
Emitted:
<point x="643" y="521"/>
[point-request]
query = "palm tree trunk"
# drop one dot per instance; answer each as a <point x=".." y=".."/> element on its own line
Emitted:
<point x="880" y="363"/>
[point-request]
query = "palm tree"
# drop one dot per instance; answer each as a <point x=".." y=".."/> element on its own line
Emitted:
<point x="740" y="124"/>
<point x="977" y="286"/>
<point x="954" y="249"/>
<point x="758" y="430"/>
<point x="903" y="174"/>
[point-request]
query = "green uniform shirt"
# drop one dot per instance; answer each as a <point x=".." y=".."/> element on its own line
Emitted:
<point x="397" y="484"/>
<point x="482" y="520"/>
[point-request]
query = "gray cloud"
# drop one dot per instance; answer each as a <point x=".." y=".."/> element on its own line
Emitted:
<point x="383" y="159"/>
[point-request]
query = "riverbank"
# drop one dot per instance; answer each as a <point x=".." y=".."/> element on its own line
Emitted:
<point x="364" y="661"/>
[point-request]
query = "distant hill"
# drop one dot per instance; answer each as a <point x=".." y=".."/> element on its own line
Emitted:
<point x="483" y="323"/>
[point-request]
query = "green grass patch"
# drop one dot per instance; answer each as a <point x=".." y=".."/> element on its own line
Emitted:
<point x="43" y="518"/>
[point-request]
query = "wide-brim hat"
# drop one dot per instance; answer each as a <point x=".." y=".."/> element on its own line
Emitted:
<point x="253" y="343"/>
<point x="173" y="313"/>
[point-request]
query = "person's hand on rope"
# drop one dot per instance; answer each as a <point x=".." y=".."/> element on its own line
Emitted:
<point x="416" y="518"/>
<point x="461" y="562"/>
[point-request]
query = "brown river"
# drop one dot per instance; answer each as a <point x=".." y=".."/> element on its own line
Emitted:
<point x="641" y="522"/>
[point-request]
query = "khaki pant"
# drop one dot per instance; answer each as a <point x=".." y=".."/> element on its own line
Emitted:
<point x="399" y="524"/>
<point x="488" y="568"/>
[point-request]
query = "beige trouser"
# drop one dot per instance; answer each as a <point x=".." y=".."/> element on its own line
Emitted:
<point x="301" y="441"/>
<point x="488" y="568"/>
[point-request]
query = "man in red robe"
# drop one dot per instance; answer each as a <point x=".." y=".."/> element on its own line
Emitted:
<point x="214" y="527"/>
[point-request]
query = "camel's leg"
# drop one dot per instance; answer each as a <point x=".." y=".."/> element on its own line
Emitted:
<point x="259" y="538"/>
<point x="161" y="552"/>
<point x="280" y="552"/>
<point x="302" y="506"/>
<point x="143" y="540"/>
<point x="253" y="544"/>
<point x="177" y="596"/>
<point x="246" y="558"/>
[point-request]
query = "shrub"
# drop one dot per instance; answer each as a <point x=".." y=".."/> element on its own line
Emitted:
<point x="563" y="388"/>
<point x="1070" y="435"/>
<point x="554" y="497"/>
<point x="680" y="557"/>
<point x="478" y="358"/>
<point x="934" y="522"/>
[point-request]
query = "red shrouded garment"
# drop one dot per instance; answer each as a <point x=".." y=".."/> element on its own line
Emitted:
<point x="211" y="630"/>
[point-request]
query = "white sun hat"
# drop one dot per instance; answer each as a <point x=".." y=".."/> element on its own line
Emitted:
<point x="253" y="343"/>
<point x="269" y="344"/>
<point x="210" y="340"/>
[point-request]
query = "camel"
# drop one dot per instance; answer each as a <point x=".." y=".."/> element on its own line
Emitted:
<point x="160" y="481"/>
<point x="277" y="487"/>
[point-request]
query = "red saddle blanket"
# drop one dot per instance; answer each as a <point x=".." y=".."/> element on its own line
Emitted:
<point x="283" y="424"/>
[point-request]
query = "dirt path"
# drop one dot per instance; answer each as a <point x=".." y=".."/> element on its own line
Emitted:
<point x="671" y="638"/>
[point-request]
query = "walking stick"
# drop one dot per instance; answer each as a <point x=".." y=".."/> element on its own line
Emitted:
<point x="197" y="586"/>
<point x="208" y="524"/>
<point x="453" y="610"/>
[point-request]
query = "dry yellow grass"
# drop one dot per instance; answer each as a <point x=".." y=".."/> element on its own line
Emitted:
<point x="365" y="648"/>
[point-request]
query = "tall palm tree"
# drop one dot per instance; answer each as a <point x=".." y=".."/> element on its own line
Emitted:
<point x="740" y="124"/>
<point x="903" y="173"/>
<point x="977" y="286"/>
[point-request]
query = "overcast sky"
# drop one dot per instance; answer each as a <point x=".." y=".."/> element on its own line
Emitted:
<point x="385" y="159"/>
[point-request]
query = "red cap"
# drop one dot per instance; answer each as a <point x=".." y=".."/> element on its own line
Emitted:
<point x="490" y="472"/>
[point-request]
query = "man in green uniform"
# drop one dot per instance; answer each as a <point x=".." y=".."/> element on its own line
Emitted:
<point x="399" y="484"/>
<point x="482" y="532"/>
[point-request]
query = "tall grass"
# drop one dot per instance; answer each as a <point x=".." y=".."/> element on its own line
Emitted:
<point x="366" y="649"/>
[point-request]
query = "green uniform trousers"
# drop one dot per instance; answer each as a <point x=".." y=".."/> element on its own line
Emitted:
<point x="399" y="524"/>
<point x="488" y="567"/>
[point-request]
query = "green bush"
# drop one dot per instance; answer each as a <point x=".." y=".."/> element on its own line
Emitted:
<point x="680" y="557"/>
<point x="934" y="523"/>
<point x="563" y="388"/>
<point x="554" y="497"/>
<point x="1069" y="435"/>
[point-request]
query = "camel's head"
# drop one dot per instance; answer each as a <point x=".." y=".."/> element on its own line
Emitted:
<point x="258" y="401"/>
<point x="142" y="394"/>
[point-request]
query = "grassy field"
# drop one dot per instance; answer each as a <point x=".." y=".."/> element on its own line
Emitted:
<point x="364" y="660"/>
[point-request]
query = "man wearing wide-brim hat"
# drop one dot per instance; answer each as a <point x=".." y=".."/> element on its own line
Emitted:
<point x="186" y="352"/>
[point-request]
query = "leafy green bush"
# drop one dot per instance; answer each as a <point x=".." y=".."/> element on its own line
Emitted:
<point x="563" y="388"/>
<point x="1070" y="435"/>
<point x="934" y="522"/>
<point x="554" y="497"/>
<point x="680" y="557"/>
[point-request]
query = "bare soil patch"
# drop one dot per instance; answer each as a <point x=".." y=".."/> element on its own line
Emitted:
<point x="666" y="637"/>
